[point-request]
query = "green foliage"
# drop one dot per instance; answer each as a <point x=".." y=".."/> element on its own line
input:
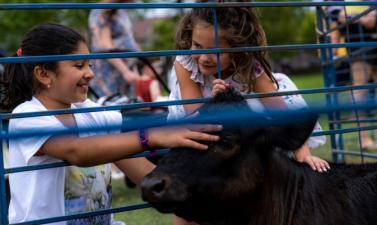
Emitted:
<point x="288" y="25"/>
<point x="165" y="32"/>
<point x="15" y="23"/>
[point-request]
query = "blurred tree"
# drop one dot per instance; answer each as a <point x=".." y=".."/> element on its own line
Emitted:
<point x="288" y="25"/>
<point x="15" y="23"/>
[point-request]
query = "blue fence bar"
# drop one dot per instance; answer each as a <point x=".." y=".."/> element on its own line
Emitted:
<point x="226" y="116"/>
<point x="60" y="164"/>
<point x="50" y="6"/>
<point x="3" y="194"/>
<point x="84" y="215"/>
<point x="333" y="107"/>
<point x="182" y="102"/>
<point x="49" y="58"/>
<point x="328" y="70"/>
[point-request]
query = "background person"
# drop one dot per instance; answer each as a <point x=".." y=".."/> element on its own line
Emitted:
<point x="111" y="29"/>
<point x="363" y="60"/>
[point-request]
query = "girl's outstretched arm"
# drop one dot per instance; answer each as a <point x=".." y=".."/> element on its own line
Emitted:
<point x="189" y="89"/>
<point x="95" y="150"/>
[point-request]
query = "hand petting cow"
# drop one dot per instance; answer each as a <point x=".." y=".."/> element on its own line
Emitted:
<point x="248" y="178"/>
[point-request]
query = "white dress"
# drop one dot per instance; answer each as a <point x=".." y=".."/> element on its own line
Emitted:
<point x="205" y="82"/>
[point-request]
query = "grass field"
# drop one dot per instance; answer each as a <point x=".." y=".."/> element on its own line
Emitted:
<point x="125" y="196"/>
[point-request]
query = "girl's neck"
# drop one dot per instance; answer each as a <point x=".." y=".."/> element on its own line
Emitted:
<point x="68" y="120"/>
<point x="51" y="103"/>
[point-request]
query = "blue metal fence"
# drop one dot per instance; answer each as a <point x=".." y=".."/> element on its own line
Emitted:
<point x="332" y="108"/>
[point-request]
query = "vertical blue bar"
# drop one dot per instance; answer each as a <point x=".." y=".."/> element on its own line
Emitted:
<point x="328" y="74"/>
<point x="217" y="42"/>
<point x="3" y="198"/>
<point x="335" y="96"/>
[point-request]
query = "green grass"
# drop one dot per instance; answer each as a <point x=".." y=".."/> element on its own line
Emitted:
<point x="310" y="81"/>
<point x="125" y="196"/>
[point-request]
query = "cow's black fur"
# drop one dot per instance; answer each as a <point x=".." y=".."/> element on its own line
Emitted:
<point x="247" y="178"/>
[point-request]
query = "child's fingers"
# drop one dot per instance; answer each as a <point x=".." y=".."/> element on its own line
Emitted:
<point x="193" y="144"/>
<point x="199" y="136"/>
<point x="218" y="81"/>
<point x="325" y="165"/>
<point x="320" y="164"/>
<point x="205" y="127"/>
<point x="218" y="88"/>
<point x="311" y="164"/>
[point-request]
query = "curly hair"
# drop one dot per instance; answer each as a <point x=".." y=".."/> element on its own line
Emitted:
<point x="240" y="28"/>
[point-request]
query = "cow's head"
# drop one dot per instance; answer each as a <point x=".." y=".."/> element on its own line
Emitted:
<point x="209" y="185"/>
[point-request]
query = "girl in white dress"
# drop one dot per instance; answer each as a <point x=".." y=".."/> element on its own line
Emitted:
<point x="248" y="72"/>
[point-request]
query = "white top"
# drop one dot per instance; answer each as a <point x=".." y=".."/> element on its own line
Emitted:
<point x="205" y="82"/>
<point x="58" y="191"/>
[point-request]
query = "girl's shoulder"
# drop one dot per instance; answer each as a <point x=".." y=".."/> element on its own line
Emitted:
<point x="188" y="63"/>
<point x="32" y="105"/>
<point x="284" y="81"/>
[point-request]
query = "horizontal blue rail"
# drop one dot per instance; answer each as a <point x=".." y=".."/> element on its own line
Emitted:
<point x="60" y="164"/>
<point x="85" y="215"/>
<point x="30" y="6"/>
<point x="183" y="102"/>
<point x="354" y="153"/>
<point x="228" y="116"/>
<point x="164" y="151"/>
<point x="145" y="54"/>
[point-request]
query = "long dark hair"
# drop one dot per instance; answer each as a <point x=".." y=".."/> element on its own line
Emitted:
<point x="18" y="84"/>
<point x="241" y="28"/>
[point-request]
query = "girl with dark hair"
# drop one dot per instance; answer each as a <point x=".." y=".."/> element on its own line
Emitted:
<point x="247" y="72"/>
<point x="42" y="86"/>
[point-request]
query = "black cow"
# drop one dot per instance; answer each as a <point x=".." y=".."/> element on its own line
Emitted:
<point x="248" y="178"/>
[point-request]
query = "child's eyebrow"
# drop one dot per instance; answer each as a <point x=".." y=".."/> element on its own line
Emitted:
<point x="201" y="46"/>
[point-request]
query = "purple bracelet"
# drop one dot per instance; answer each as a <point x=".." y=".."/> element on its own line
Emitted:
<point x="143" y="139"/>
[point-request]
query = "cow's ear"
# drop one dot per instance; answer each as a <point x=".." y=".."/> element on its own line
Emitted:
<point x="291" y="135"/>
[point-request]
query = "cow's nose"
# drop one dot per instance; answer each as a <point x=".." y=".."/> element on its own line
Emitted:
<point x="154" y="188"/>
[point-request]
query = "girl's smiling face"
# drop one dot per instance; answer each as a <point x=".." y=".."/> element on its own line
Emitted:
<point x="70" y="82"/>
<point x="203" y="37"/>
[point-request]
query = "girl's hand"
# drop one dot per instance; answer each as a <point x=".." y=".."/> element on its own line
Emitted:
<point x="218" y="86"/>
<point x="183" y="136"/>
<point x="304" y="155"/>
<point x="317" y="164"/>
